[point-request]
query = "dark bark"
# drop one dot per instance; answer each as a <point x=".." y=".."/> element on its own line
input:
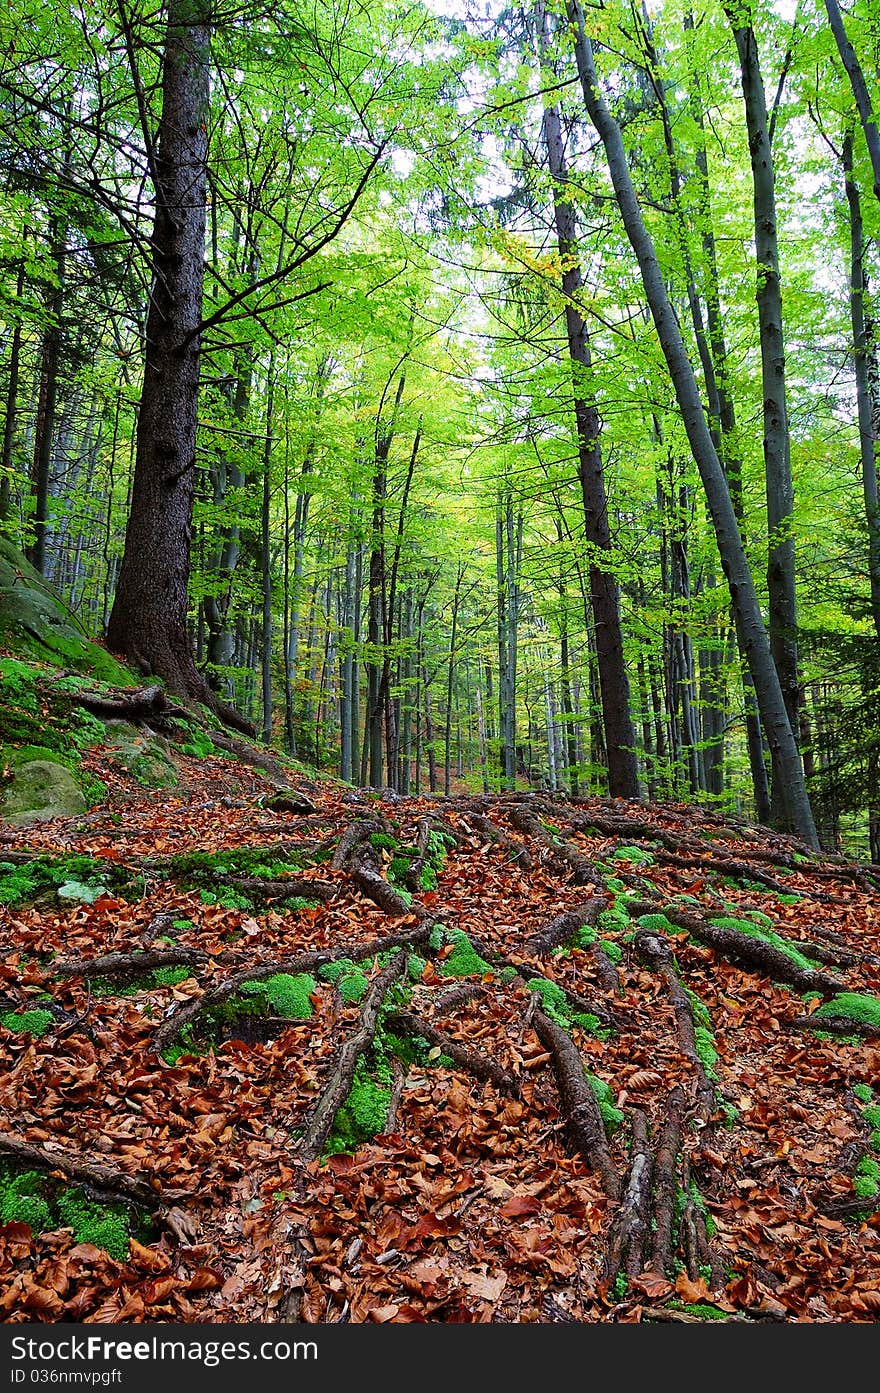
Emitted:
<point x="480" y="1065"/>
<point x="9" y="422"/>
<point x="148" y="622"/>
<point x="580" y="1108"/>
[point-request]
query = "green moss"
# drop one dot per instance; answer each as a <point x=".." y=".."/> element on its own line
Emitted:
<point x="43" y="1203"/>
<point x="106" y="1228"/>
<point x="613" y="951"/>
<point x="636" y="855"/>
<point x="435" y="938"/>
<point x="586" y="936"/>
<point x="415" y="966"/>
<point x="287" y="996"/>
<point x="365" y="1110"/>
<point x="185" y="1044"/>
<point x="199" y="744"/>
<point x="383" y="842"/>
<point x="657" y="923"/>
<point x="463" y="961"/>
<point x="872" y="1115"/>
<point x="554" y="1002"/>
<point x="613" y="921"/>
<point x="704" y="1041"/>
<point x="698" y="1309"/>
<point x="753" y="930"/>
<point x="862" y="1091"/>
<point x="427" y="878"/>
<point x="34" y="1022"/>
<point x="353" y="987"/>
<point x="614" y="883"/>
<point x="331" y="972"/>
<point x="171" y="976"/>
<point x="865" y="1009"/>
<point x="225" y="899"/>
<point x="612" y="1117"/>
<point x="506" y="976"/>
<point x="45" y="875"/>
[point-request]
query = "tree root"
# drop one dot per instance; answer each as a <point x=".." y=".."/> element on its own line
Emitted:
<point x="260" y="888"/>
<point x="518" y="852"/>
<point x="657" y="954"/>
<point x="301" y="962"/>
<point x="320" y="1123"/>
<point x="629" y="1231"/>
<point x="457" y="995"/>
<point x="106" y="1184"/>
<point x="144" y="704"/>
<point x="741" y="948"/>
<point x="665" y="1175"/>
<point x="480" y="1065"/>
<point x="578" y="1003"/>
<point x="565" y="926"/>
<point x="579" y="1106"/>
<point x="128" y="964"/>
<point x="363" y="872"/>
<point x="583" y="872"/>
<point x="834" y="1025"/>
<point x="353" y="836"/>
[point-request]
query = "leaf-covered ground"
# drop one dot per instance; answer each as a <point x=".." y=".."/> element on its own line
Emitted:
<point x="729" y="1170"/>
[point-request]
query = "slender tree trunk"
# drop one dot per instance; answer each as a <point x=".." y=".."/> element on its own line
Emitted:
<point x="782" y="606"/>
<point x="620" y="740"/>
<point x="9" y="422"/>
<point x="742" y="588"/>
<point x="861" y="351"/>
<point x="859" y="88"/>
<point x="266" y="559"/>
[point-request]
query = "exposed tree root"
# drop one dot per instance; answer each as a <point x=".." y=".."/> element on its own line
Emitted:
<point x="144" y="704"/>
<point x="129" y="964"/>
<point x="261" y="888"/>
<point x="105" y="1183"/>
<point x="457" y="995"/>
<point x="834" y="1025"/>
<point x="665" y="1182"/>
<point x="742" y="948"/>
<point x="579" y="1106"/>
<point x="517" y="852"/>
<point x="581" y="1004"/>
<point x="565" y="926"/>
<point x="630" y="1229"/>
<point x="320" y="1123"/>
<point x="655" y="951"/>
<point x="559" y="851"/>
<point x="363" y="871"/>
<point x="480" y="1065"/>
<point x="354" y="835"/>
<point x="300" y="962"/>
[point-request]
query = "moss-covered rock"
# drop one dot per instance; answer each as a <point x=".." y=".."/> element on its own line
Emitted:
<point x="35" y="621"/>
<point x="40" y="788"/>
<point x="144" y="755"/>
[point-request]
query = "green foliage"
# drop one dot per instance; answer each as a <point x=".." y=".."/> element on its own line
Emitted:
<point x="704" y="1042"/>
<point x="382" y="841"/>
<point x="171" y="976"/>
<point x="613" y="951"/>
<point x="415" y="966"/>
<point x="35" y="1022"/>
<point x="862" y="1091"/>
<point x="866" y="1177"/>
<point x="106" y="1228"/>
<point x="865" y="1009"/>
<point x="44" y="875"/>
<point x="199" y="744"/>
<point x="613" y="920"/>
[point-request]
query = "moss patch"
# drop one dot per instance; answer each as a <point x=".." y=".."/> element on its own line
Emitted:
<point x="865" y="1009"/>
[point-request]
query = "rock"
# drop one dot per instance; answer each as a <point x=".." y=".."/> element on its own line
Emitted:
<point x="34" y="620"/>
<point x="74" y="892"/>
<point x="142" y="754"/>
<point x="40" y="790"/>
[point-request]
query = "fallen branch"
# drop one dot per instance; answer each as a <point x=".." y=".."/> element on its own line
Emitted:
<point x="579" y="1105"/>
<point x="834" y="1025"/>
<point x="480" y="1065"/>
<point x="320" y="1123"/>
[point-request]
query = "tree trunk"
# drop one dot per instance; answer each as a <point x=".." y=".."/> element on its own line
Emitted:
<point x="859" y="88"/>
<point x="782" y="607"/>
<point x="620" y="739"/>
<point x="742" y="587"/>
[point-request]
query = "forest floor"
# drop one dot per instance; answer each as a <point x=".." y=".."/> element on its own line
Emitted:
<point x="319" y="1101"/>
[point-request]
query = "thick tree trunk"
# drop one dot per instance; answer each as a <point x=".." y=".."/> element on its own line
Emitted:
<point x="733" y="559"/>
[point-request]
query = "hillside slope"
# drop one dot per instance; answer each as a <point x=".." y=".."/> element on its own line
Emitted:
<point x="503" y="1058"/>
